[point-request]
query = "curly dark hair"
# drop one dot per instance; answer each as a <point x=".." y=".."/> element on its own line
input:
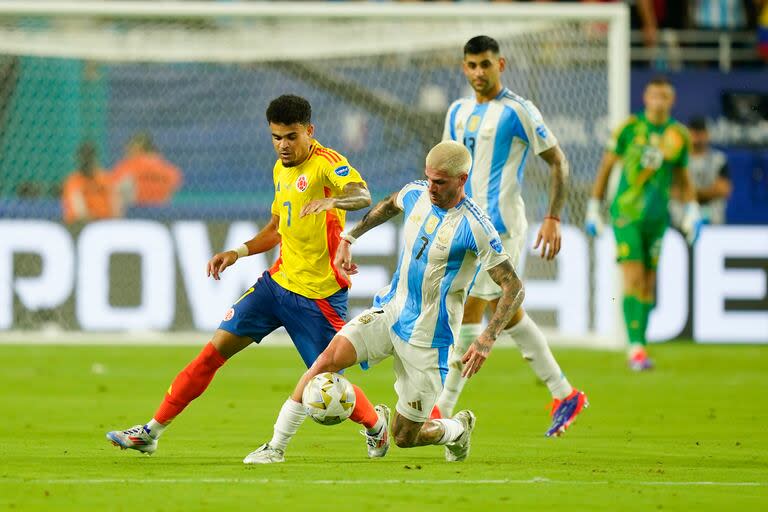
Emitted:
<point x="289" y="109"/>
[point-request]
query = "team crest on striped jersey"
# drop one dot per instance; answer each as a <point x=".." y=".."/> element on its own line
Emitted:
<point x="473" y="123"/>
<point x="302" y="183"/>
<point x="431" y="224"/>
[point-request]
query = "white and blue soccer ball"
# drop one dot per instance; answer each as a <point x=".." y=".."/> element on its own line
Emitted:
<point x="328" y="398"/>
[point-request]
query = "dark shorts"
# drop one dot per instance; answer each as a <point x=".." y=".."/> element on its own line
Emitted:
<point x="311" y="323"/>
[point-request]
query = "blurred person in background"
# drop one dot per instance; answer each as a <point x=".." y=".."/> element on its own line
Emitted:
<point x="653" y="150"/>
<point x="89" y="192"/>
<point x="143" y="176"/>
<point x="709" y="170"/>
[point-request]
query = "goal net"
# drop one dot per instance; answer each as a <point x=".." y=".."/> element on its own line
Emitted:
<point x="196" y="78"/>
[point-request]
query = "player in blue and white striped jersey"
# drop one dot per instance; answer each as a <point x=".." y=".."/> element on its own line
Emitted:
<point x="447" y="240"/>
<point x="501" y="129"/>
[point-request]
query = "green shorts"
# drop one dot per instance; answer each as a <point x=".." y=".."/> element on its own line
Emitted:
<point x="639" y="241"/>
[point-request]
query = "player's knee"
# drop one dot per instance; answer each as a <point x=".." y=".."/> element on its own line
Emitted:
<point x="404" y="439"/>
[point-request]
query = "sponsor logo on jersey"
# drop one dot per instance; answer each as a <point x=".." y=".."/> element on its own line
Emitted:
<point x="444" y="234"/>
<point x="496" y="245"/>
<point x="342" y="171"/>
<point x="542" y="131"/>
<point x="302" y="183"/>
<point x="229" y="314"/>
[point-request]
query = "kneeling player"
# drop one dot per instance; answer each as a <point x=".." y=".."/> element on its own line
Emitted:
<point x="447" y="238"/>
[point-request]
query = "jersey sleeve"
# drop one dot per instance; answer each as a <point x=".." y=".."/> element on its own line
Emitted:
<point x="489" y="249"/>
<point x="449" y="129"/>
<point x="409" y="194"/>
<point x="339" y="174"/>
<point x="540" y="137"/>
<point x="618" y="141"/>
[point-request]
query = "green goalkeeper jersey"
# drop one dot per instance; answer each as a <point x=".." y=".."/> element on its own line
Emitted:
<point x="650" y="154"/>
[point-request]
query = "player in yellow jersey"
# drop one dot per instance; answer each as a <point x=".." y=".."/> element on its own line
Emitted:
<point x="303" y="291"/>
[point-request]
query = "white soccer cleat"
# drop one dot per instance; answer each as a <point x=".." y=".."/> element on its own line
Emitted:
<point x="378" y="444"/>
<point x="265" y="454"/>
<point x="459" y="449"/>
<point x="136" y="438"/>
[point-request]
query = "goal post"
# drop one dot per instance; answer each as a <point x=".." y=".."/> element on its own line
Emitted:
<point x="197" y="76"/>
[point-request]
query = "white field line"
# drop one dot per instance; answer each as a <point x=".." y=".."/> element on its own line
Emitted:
<point x="272" y="481"/>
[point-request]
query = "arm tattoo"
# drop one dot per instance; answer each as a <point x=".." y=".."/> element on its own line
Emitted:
<point x="512" y="297"/>
<point x="559" y="169"/>
<point x="355" y="196"/>
<point x="379" y="214"/>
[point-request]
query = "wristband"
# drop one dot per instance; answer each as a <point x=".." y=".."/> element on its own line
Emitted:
<point x="553" y="217"/>
<point x="349" y="238"/>
<point x="241" y="251"/>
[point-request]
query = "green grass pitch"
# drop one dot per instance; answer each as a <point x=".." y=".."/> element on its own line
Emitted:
<point x="690" y="435"/>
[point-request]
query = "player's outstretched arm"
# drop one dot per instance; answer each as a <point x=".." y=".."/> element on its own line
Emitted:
<point x="379" y="214"/>
<point x="549" y="237"/>
<point x="264" y="240"/>
<point x="512" y="295"/>
<point x="354" y="196"/>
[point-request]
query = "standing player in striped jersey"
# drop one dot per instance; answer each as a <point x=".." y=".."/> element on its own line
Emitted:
<point x="304" y="291"/>
<point x="447" y="239"/>
<point x="500" y="129"/>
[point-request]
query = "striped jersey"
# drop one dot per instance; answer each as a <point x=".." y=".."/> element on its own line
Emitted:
<point x="499" y="134"/>
<point x="443" y="250"/>
<point x="308" y="245"/>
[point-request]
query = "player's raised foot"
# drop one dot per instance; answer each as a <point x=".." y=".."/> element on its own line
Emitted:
<point x="639" y="361"/>
<point x="378" y="444"/>
<point x="459" y="449"/>
<point x="136" y="438"/>
<point x="265" y="454"/>
<point x="564" y="412"/>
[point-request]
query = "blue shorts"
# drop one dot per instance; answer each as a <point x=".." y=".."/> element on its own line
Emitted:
<point x="311" y="323"/>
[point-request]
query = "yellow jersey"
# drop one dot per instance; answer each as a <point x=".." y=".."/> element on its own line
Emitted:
<point x="308" y="245"/>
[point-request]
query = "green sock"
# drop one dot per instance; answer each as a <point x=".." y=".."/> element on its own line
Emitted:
<point x="645" y="314"/>
<point x="633" y="319"/>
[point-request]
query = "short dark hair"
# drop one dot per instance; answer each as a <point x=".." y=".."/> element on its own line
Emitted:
<point x="660" y="80"/>
<point x="480" y="44"/>
<point x="288" y="109"/>
<point x="697" y="124"/>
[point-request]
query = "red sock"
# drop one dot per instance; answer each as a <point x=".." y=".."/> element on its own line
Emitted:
<point x="190" y="383"/>
<point x="435" y="414"/>
<point x="363" y="413"/>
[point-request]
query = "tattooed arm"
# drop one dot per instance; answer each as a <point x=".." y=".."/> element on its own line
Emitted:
<point x="354" y="197"/>
<point x="549" y="235"/>
<point x="512" y="295"/>
<point x="379" y="214"/>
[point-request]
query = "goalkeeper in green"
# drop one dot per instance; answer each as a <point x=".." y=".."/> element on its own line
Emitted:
<point x="653" y="150"/>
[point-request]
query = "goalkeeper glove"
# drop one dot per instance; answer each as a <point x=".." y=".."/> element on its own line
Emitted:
<point x="692" y="222"/>
<point x="593" y="224"/>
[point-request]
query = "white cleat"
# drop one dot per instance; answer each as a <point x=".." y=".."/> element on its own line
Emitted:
<point x="265" y="454"/>
<point x="378" y="444"/>
<point x="136" y="438"/>
<point x="459" y="449"/>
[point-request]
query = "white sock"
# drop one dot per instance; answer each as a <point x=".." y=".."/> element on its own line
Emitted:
<point x="533" y="345"/>
<point x="292" y="415"/>
<point x="453" y="429"/>
<point x="155" y="428"/>
<point x="454" y="382"/>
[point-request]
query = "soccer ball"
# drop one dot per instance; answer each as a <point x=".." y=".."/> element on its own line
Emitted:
<point x="328" y="398"/>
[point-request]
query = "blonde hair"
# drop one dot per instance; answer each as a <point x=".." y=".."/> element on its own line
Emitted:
<point x="450" y="157"/>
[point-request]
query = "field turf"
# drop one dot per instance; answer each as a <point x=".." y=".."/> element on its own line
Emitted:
<point x="690" y="435"/>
